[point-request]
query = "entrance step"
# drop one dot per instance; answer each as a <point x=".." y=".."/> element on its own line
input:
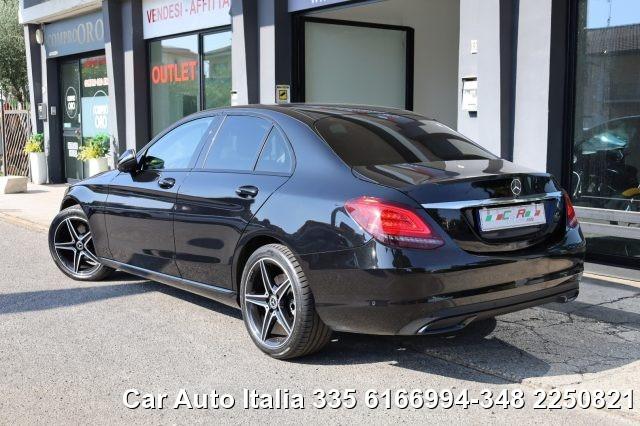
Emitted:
<point x="13" y="184"/>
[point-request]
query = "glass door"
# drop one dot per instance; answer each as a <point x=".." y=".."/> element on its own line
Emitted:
<point x="71" y="131"/>
<point x="85" y="108"/>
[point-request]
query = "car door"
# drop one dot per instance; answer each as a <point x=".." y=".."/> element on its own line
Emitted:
<point x="247" y="161"/>
<point x="140" y="205"/>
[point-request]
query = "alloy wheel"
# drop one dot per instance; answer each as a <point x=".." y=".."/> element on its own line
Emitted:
<point x="73" y="244"/>
<point x="270" y="302"/>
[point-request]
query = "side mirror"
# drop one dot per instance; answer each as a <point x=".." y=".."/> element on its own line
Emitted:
<point x="128" y="161"/>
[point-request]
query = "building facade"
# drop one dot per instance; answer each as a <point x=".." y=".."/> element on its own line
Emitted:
<point x="549" y="84"/>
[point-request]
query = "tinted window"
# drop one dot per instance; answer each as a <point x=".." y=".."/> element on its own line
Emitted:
<point x="176" y="149"/>
<point x="374" y="139"/>
<point x="237" y="144"/>
<point x="276" y="154"/>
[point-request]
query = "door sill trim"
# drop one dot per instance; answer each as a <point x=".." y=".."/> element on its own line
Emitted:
<point x="219" y="294"/>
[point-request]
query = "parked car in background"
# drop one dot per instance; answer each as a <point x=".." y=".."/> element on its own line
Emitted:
<point x="313" y="218"/>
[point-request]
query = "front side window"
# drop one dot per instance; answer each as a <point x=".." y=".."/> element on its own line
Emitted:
<point x="237" y="143"/>
<point x="178" y="148"/>
<point x="371" y="139"/>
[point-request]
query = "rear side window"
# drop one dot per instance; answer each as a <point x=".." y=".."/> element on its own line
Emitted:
<point x="237" y="144"/>
<point x="276" y="155"/>
<point x="377" y="139"/>
<point x="176" y="149"/>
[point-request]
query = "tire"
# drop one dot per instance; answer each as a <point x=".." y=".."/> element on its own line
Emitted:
<point x="293" y="305"/>
<point x="74" y="253"/>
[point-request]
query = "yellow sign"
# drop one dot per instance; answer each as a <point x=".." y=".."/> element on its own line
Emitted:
<point x="283" y="94"/>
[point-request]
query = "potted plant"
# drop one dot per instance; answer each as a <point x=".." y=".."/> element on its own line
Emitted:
<point x="37" y="160"/>
<point x="94" y="152"/>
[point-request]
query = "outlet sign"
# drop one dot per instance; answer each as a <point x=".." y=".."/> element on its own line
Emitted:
<point x="75" y="35"/>
<point x="166" y="17"/>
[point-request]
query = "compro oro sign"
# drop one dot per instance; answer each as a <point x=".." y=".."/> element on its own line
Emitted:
<point x="166" y="17"/>
<point x="76" y="35"/>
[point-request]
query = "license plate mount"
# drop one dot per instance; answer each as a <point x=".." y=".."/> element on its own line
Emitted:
<point x="505" y="217"/>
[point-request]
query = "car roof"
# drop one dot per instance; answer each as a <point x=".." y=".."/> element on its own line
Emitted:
<point x="310" y="113"/>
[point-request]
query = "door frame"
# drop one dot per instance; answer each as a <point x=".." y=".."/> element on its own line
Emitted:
<point x="299" y="66"/>
<point x="60" y="129"/>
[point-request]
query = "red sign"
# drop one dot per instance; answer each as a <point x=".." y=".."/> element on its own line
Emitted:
<point x="174" y="73"/>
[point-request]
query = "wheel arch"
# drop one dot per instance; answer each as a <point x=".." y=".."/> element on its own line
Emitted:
<point x="244" y="250"/>
<point x="69" y="201"/>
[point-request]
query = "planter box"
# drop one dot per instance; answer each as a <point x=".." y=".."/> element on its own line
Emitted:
<point x="38" y="167"/>
<point x="97" y="165"/>
<point x="13" y="184"/>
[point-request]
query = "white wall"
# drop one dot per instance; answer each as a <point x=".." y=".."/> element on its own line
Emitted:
<point x="532" y="84"/>
<point x="436" y="25"/>
<point x="480" y="20"/>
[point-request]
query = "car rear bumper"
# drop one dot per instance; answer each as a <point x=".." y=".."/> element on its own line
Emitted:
<point x="377" y="290"/>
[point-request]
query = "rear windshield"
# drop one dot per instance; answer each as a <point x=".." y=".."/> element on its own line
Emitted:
<point x="377" y="139"/>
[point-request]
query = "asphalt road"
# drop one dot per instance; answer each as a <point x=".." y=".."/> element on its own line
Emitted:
<point x="69" y="351"/>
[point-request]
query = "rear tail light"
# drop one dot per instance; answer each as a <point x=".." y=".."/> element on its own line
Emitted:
<point x="572" y="220"/>
<point x="392" y="224"/>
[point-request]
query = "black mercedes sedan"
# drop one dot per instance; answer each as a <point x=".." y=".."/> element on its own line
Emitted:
<point x="313" y="218"/>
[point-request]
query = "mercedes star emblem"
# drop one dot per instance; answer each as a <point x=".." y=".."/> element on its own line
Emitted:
<point x="516" y="186"/>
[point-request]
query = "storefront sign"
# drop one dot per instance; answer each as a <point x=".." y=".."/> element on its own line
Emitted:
<point x="75" y="35"/>
<point x="174" y="73"/>
<point x="165" y="17"/>
<point x="296" y="5"/>
<point x="95" y="114"/>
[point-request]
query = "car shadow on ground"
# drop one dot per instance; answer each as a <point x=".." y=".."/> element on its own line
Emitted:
<point x="598" y="332"/>
<point x="119" y="284"/>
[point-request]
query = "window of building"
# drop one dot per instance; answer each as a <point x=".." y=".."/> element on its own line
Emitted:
<point x="606" y="145"/>
<point x="237" y="143"/>
<point x="187" y="74"/>
<point x="176" y="149"/>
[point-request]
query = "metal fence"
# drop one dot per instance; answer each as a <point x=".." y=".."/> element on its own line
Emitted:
<point x="16" y="129"/>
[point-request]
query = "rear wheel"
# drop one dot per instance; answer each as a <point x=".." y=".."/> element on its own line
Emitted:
<point x="71" y="246"/>
<point x="278" y="306"/>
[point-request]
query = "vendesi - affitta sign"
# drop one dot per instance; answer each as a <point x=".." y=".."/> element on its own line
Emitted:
<point x="75" y="35"/>
<point x="166" y="17"/>
<point x="296" y="5"/>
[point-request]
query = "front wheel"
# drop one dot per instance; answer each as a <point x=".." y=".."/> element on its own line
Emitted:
<point x="71" y="246"/>
<point x="278" y="306"/>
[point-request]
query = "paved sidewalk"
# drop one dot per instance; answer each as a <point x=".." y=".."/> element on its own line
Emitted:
<point x="36" y="207"/>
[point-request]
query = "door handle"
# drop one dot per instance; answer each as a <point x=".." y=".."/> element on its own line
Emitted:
<point x="166" y="183"/>
<point x="247" y="191"/>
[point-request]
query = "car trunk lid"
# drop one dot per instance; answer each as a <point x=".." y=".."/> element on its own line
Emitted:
<point x="459" y="194"/>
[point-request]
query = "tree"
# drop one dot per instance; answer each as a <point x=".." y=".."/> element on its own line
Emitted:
<point x="13" y="63"/>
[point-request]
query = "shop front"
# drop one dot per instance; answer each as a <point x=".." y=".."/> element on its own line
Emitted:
<point x="75" y="47"/>
<point x="397" y="53"/>
<point x="189" y="58"/>
<point x="605" y="167"/>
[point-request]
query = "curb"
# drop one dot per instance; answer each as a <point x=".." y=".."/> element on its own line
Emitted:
<point x="33" y="226"/>
<point x="613" y="280"/>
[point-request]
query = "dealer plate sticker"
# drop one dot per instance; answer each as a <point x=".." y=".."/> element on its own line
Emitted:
<point x="512" y="217"/>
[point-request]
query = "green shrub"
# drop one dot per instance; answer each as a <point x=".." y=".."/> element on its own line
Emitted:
<point x="95" y="147"/>
<point x="35" y="143"/>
